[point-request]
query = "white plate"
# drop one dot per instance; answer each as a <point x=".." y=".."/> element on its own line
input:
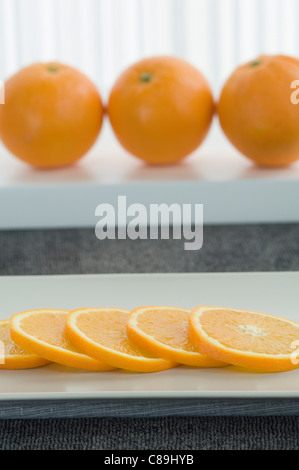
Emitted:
<point x="215" y="175"/>
<point x="275" y="293"/>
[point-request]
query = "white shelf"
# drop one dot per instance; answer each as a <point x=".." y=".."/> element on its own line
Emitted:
<point x="232" y="189"/>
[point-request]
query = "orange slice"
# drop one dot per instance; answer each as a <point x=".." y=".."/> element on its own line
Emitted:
<point x="249" y="339"/>
<point x="101" y="333"/>
<point x="43" y="332"/>
<point x="13" y="356"/>
<point x="164" y="331"/>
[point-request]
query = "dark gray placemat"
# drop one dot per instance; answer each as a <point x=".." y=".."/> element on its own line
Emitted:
<point x="226" y="248"/>
<point x="214" y="433"/>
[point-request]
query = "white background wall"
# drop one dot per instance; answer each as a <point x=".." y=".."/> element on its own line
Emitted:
<point x="102" y="37"/>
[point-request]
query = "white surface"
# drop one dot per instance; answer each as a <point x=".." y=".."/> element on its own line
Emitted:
<point x="275" y="293"/>
<point x="108" y="163"/>
<point x="231" y="188"/>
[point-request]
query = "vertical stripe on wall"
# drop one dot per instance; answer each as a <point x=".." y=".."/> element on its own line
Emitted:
<point x="102" y="37"/>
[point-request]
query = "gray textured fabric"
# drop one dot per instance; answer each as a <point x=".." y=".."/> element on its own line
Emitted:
<point x="226" y="248"/>
<point x="268" y="433"/>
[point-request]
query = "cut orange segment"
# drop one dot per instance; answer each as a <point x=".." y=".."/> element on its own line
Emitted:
<point x="101" y="333"/>
<point x="244" y="338"/>
<point x="165" y="331"/>
<point x="13" y="356"/>
<point x="43" y="332"/>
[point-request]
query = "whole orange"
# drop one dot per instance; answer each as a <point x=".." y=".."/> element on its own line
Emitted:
<point x="52" y="115"/>
<point x="161" y="109"/>
<point x="256" y="112"/>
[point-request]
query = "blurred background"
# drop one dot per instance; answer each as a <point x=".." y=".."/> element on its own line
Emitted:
<point x="102" y="37"/>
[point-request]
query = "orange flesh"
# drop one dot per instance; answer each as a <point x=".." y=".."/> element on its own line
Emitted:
<point x="10" y="347"/>
<point x="110" y="331"/>
<point x="249" y="332"/>
<point x="50" y="329"/>
<point x="176" y="335"/>
<point x="12" y="356"/>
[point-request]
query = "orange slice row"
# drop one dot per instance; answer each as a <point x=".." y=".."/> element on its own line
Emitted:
<point x="248" y="339"/>
<point x="165" y="331"/>
<point x="150" y="339"/>
<point x="102" y="333"/>
<point x="12" y="356"/>
<point x="43" y="333"/>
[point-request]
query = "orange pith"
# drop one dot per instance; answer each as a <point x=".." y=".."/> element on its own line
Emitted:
<point x="244" y="338"/>
<point x="165" y="331"/>
<point x="43" y="332"/>
<point x="13" y="356"/>
<point x="101" y="333"/>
